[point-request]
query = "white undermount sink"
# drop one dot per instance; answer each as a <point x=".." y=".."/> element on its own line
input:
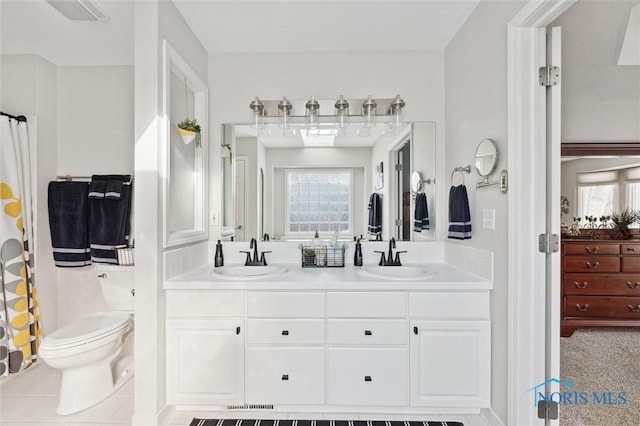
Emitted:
<point x="399" y="273"/>
<point x="248" y="272"/>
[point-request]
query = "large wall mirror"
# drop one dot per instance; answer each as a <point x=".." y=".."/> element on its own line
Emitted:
<point x="280" y="185"/>
<point x="599" y="179"/>
<point x="185" y="168"/>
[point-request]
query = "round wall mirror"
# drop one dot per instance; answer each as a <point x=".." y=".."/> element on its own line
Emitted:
<point x="416" y="181"/>
<point x="486" y="157"/>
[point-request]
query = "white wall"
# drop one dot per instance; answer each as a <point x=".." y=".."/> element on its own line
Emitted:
<point x="235" y="79"/>
<point x="248" y="147"/>
<point x="476" y="108"/>
<point x="600" y="100"/>
<point x="29" y="87"/>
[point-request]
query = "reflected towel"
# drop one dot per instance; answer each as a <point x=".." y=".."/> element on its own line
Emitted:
<point x="375" y="214"/>
<point x="459" y="215"/>
<point x="68" y="223"/>
<point x="421" y="213"/>
<point x="109" y="216"/>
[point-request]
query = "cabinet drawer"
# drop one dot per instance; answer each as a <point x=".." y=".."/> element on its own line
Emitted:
<point x="204" y="304"/>
<point x="591" y="248"/>
<point x="369" y="304"/>
<point x="449" y="305"/>
<point x="285" y="304"/>
<point x="630" y="263"/>
<point x="285" y="376"/>
<point x="591" y="264"/>
<point x="602" y="284"/>
<point x="602" y="307"/>
<point x="630" y="249"/>
<point x="285" y="331"/>
<point x="375" y="377"/>
<point x="367" y="332"/>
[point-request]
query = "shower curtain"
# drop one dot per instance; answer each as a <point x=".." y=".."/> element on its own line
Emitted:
<point x="19" y="317"/>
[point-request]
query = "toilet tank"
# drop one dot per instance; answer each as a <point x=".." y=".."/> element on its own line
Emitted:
<point x="116" y="283"/>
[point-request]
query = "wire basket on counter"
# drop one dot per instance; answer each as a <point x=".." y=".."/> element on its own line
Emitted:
<point x="125" y="255"/>
<point x="322" y="257"/>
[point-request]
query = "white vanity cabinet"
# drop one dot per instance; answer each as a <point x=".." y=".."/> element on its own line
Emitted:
<point x="285" y="358"/>
<point x="367" y="348"/>
<point x="205" y="348"/>
<point x="450" y="349"/>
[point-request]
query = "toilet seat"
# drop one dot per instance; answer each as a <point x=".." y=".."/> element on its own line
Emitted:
<point x="89" y="329"/>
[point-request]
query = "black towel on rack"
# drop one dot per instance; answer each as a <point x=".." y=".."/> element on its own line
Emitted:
<point x="375" y="214"/>
<point x="459" y="214"/>
<point x="109" y="215"/>
<point x="68" y="223"/>
<point x="421" y="213"/>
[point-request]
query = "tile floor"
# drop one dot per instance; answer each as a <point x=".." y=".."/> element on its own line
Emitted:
<point x="31" y="398"/>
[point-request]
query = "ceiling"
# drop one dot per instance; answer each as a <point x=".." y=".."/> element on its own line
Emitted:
<point x="35" y="27"/>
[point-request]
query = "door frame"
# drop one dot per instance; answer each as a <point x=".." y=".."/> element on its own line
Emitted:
<point x="526" y="122"/>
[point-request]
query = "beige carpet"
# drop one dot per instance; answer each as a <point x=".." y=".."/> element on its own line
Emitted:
<point x="601" y="360"/>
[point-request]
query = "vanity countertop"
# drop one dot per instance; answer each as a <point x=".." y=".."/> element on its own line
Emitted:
<point x="439" y="276"/>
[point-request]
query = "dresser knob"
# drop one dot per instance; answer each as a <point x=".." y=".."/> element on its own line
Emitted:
<point x="582" y="308"/>
<point x="634" y="308"/>
<point x="592" y="265"/>
<point x="631" y="249"/>
<point x="583" y="284"/>
<point x="591" y="250"/>
<point x="633" y="285"/>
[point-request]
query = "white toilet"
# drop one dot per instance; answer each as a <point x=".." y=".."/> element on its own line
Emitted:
<point x="95" y="354"/>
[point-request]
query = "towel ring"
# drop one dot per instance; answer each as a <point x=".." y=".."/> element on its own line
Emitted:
<point x="466" y="169"/>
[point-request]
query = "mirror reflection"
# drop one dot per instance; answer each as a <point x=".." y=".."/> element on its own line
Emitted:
<point x="486" y="157"/>
<point x="281" y="187"/>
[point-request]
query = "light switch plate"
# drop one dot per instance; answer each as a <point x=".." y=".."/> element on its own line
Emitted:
<point x="488" y="219"/>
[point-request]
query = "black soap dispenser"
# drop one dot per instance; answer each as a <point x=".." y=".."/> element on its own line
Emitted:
<point x="357" y="255"/>
<point x="219" y="257"/>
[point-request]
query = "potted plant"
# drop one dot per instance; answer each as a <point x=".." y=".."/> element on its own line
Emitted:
<point x="621" y="221"/>
<point x="308" y="257"/>
<point x="190" y="130"/>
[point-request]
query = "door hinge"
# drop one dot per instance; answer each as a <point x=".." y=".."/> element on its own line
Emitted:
<point x="398" y="167"/>
<point x="548" y="410"/>
<point x="398" y="222"/>
<point x="548" y="243"/>
<point x="549" y="76"/>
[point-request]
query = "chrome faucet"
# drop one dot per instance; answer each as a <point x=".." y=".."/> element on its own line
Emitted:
<point x="389" y="260"/>
<point x="253" y="244"/>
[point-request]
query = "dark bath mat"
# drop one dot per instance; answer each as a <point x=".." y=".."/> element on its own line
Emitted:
<point x="255" y="422"/>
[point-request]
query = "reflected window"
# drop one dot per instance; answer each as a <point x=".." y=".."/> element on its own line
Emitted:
<point x="319" y="200"/>
<point x="597" y="200"/>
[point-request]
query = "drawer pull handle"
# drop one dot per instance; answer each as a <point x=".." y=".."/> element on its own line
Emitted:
<point x="285" y="332"/>
<point x="582" y="308"/>
<point x="367" y="378"/>
<point x="593" y="266"/>
<point x="591" y="250"/>
<point x="367" y="333"/>
<point x="583" y="284"/>
<point x="285" y="377"/>
<point x="634" y="308"/>
<point x="633" y="285"/>
<point x="415" y="330"/>
<point x="631" y="249"/>
<point x="237" y="330"/>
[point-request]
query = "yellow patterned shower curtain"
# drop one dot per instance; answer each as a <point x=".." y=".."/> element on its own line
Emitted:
<point x="19" y="317"/>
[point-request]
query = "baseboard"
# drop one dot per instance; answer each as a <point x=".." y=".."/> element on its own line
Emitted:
<point x="491" y="417"/>
<point x="159" y="419"/>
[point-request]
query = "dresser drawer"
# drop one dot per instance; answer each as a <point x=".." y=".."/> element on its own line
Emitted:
<point x="630" y="249"/>
<point x="285" y="304"/>
<point x="591" y="264"/>
<point x="373" y="377"/>
<point x="204" y="304"/>
<point x="367" y="332"/>
<point x="602" y="307"/>
<point x="591" y="248"/>
<point x="366" y="304"/>
<point x="601" y="284"/>
<point x="449" y="305"/>
<point x="630" y="263"/>
<point x="285" y="376"/>
<point x="285" y="331"/>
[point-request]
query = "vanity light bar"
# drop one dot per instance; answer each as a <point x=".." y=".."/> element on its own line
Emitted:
<point x="385" y="107"/>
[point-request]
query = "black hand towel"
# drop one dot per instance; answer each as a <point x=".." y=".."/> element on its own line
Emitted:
<point x="375" y="214"/>
<point x="459" y="215"/>
<point x="68" y="223"/>
<point x="421" y="213"/>
<point x="109" y="211"/>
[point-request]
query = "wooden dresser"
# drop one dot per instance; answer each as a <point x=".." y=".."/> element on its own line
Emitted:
<point x="600" y="284"/>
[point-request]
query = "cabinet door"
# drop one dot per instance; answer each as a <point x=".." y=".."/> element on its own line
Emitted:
<point x="450" y="363"/>
<point x="205" y="362"/>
